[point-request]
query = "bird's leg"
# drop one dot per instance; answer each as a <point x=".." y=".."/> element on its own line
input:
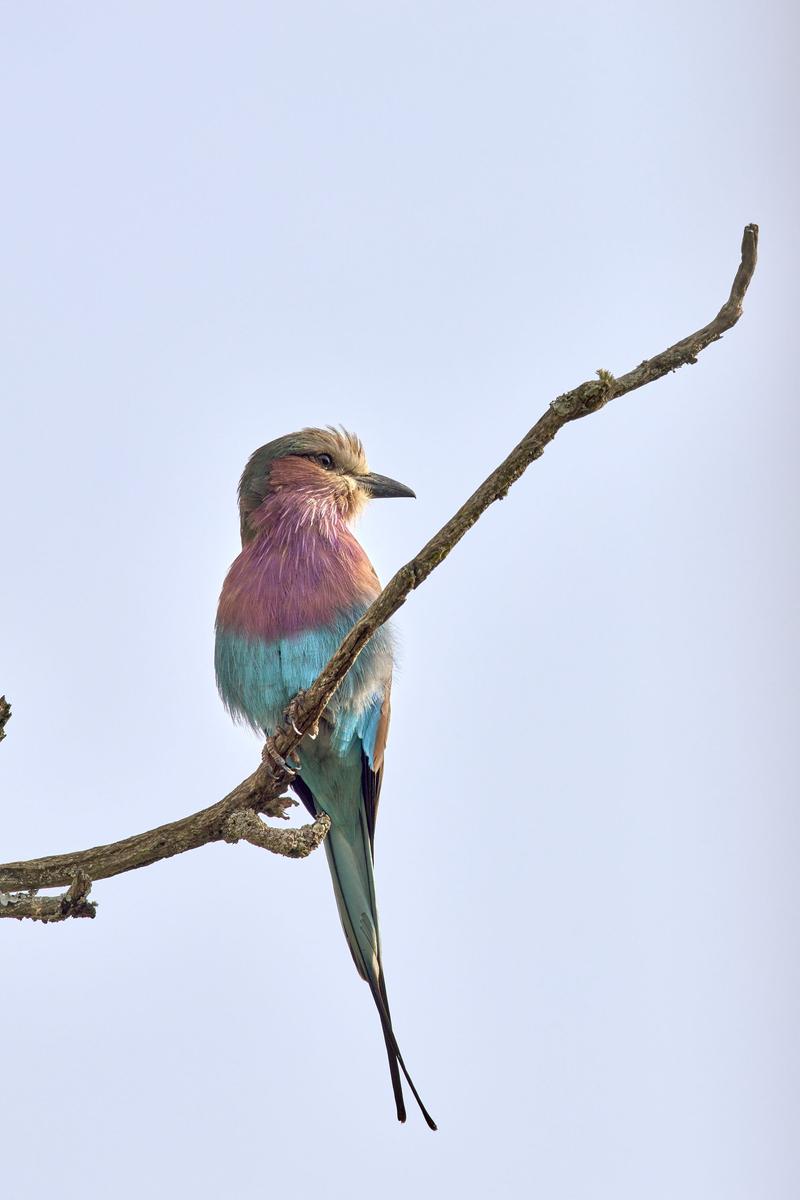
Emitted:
<point x="293" y="711"/>
<point x="269" y="755"/>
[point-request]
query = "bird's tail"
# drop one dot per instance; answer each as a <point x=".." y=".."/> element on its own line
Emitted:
<point x="350" y="862"/>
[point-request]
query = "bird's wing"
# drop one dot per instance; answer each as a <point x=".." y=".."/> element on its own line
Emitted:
<point x="372" y="766"/>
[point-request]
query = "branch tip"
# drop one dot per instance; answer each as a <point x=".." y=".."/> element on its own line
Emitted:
<point x="246" y="826"/>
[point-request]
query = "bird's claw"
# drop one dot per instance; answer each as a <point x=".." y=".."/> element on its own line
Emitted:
<point x="278" y="765"/>
<point x="293" y="710"/>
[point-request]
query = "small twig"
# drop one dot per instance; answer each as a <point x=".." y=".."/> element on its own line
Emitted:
<point x="261" y="791"/>
<point x="5" y="713"/>
<point x="48" y="909"/>
<point x="245" y="826"/>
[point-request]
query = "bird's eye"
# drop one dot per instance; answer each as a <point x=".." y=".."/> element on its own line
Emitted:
<point x="325" y="461"/>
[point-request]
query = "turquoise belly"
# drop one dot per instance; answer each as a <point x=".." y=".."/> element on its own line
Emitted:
<point x="257" y="679"/>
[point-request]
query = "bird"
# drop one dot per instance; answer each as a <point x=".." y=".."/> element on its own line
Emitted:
<point x="298" y="586"/>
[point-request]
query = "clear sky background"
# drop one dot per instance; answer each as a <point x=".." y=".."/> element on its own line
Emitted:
<point x="222" y="222"/>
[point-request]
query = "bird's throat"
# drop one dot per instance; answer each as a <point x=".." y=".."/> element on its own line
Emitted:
<point x="301" y="569"/>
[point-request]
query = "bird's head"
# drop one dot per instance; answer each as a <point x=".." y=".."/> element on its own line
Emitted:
<point x="323" y="469"/>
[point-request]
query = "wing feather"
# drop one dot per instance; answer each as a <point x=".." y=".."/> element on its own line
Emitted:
<point x="372" y="770"/>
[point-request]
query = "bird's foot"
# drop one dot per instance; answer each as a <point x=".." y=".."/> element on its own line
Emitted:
<point x="293" y="711"/>
<point x="277" y="764"/>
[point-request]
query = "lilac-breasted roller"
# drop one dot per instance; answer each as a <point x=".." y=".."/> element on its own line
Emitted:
<point x="300" y="583"/>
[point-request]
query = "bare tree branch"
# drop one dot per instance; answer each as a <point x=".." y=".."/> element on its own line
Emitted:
<point x="101" y="862"/>
<point x="72" y="903"/>
<point x="234" y="817"/>
<point x="5" y="713"/>
<point x="247" y="826"/>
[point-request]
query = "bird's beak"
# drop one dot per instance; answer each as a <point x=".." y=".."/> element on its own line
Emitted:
<point x="381" y="487"/>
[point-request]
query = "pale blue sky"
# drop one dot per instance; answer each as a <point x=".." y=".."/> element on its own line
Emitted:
<point x="422" y="220"/>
